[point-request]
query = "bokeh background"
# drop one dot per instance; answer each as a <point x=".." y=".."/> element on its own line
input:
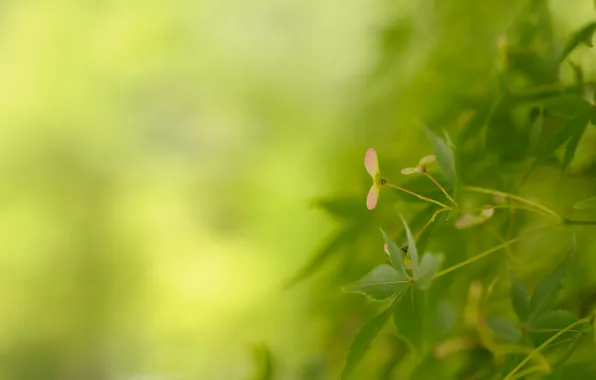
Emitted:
<point x="159" y="159"/>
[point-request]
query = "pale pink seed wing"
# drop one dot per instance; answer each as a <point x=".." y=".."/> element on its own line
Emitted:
<point x="386" y="248"/>
<point x="371" y="162"/>
<point x="373" y="196"/>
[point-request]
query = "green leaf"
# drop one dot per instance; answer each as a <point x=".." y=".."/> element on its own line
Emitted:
<point x="567" y="129"/>
<point x="445" y="157"/>
<point x="572" y="145"/>
<point x="409" y="316"/>
<point x="583" y="35"/>
<point x="429" y="266"/>
<point x="395" y="256"/>
<point x="342" y="207"/>
<point x="412" y="249"/>
<point x="519" y="298"/>
<point x="379" y="284"/>
<point x="545" y="294"/>
<point x="362" y="341"/>
<point x="503" y="330"/>
<point x="547" y="325"/>
<point x="593" y="115"/>
<point x="586" y="203"/>
<point x="264" y="363"/>
<point x="568" y="105"/>
<point x="343" y="236"/>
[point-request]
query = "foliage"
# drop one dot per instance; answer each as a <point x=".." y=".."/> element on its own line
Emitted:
<point x="477" y="217"/>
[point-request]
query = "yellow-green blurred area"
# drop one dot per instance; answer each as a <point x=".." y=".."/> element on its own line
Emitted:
<point x="158" y="160"/>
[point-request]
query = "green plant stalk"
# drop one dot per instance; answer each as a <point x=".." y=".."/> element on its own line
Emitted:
<point x="491" y="250"/>
<point x="546" y="210"/>
<point x="431" y="220"/>
<point x="422" y="197"/>
<point x="537" y="350"/>
<point x="451" y="199"/>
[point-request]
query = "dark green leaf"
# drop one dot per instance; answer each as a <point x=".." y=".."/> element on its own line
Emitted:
<point x="409" y="316"/>
<point x="429" y="266"/>
<point x="568" y="105"/>
<point x="583" y="35"/>
<point x="445" y="157"/>
<point x="545" y="294"/>
<point x="572" y="145"/>
<point x="593" y="115"/>
<point x="547" y="325"/>
<point x="535" y="129"/>
<point x="504" y="330"/>
<point x="395" y="256"/>
<point x="578" y="72"/>
<point x="567" y="129"/>
<point x="412" y="249"/>
<point x="379" y="284"/>
<point x="343" y="236"/>
<point x="586" y="203"/>
<point x="519" y="298"/>
<point x="362" y="341"/>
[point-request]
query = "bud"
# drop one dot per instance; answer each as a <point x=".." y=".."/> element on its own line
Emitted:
<point x="408" y="171"/>
<point x="427" y="160"/>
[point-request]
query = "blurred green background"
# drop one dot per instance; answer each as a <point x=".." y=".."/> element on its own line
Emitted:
<point x="159" y="158"/>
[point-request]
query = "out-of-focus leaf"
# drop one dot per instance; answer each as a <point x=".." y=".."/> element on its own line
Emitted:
<point x="568" y="105"/>
<point x="395" y="256"/>
<point x="264" y="363"/>
<point x="504" y="330"/>
<point x="572" y="145"/>
<point x="344" y="207"/>
<point x="586" y="203"/>
<point x="409" y="316"/>
<point x="593" y="115"/>
<point x="343" y="236"/>
<point x="445" y="157"/>
<point x="583" y="35"/>
<point x="412" y="249"/>
<point x="547" y="325"/>
<point x="569" y="128"/>
<point x="468" y="220"/>
<point x="429" y="266"/>
<point x="379" y="284"/>
<point x="578" y="72"/>
<point x="536" y="128"/>
<point x="474" y="126"/>
<point x="362" y="341"/>
<point x="545" y="294"/>
<point x="519" y="298"/>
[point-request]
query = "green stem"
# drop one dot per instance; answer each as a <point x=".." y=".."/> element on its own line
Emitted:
<point x="422" y="197"/>
<point x="441" y="188"/>
<point x="546" y="210"/>
<point x="537" y="350"/>
<point x="491" y="250"/>
<point x="430" y="221"/>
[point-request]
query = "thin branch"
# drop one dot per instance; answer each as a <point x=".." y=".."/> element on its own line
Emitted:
<point x="537" y="350"/>
<point x="546" y="210"/>
<point x="422" y="197"/>
<point x="493" y="249"/>
<point x="451" y="199"/>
